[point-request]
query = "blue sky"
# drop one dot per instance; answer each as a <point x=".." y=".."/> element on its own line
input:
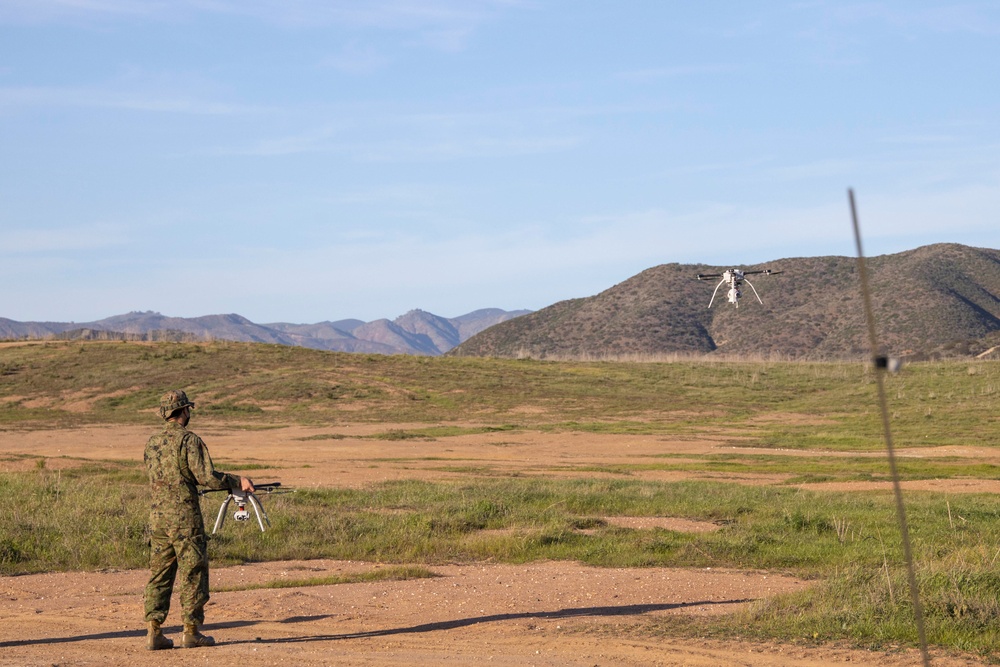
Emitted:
<point x="308" y="160"/>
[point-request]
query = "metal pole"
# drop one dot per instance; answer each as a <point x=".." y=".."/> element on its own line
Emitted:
<point x="890" y="451"/>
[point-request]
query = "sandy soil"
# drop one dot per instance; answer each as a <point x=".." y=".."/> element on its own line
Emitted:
<point x="538" y="614"/>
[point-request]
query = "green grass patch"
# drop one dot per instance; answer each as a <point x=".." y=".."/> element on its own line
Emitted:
<point x="397" y="573"/>
<point x="787" y="405"/>
<point x="847" y="542"/>
<point x="435" y="432"/>
<point x="242" y="466"/>
<point x="230" y="409"/>
<point x="323" y="436"/>
<point x="81" y="518"/>
<point x="804" y="469"/>
<point x="93" y="516"/>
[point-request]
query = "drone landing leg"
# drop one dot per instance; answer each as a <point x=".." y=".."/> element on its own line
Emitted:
<point x="259" y="510"/>
<point x="754" y="291"/>
<point x="710" y="301"/>
<point x="222" y="514"/>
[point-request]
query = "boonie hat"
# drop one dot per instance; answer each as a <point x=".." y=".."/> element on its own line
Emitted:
<point x="172" y="401"/>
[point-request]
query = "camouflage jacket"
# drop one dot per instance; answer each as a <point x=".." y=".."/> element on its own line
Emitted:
<point x="178" y="461"/>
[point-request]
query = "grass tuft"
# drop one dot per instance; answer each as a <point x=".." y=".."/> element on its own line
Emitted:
<point x="400" y="573"/>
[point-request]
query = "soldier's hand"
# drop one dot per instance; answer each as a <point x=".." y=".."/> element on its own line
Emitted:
<point x="246" y="485"/>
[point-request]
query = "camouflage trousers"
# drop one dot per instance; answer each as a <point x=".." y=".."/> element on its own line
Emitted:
<point x="171" y="556"/>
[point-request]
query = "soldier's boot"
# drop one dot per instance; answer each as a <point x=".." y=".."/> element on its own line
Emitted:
<point x="193" y="638"/>
<point x="155" y="639"/>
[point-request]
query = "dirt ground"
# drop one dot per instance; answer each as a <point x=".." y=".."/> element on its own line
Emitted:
<point x="539" y="614"/>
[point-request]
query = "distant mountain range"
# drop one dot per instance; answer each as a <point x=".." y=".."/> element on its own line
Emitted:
<point x="937" y="300"/>
<point x="416" y="332"/>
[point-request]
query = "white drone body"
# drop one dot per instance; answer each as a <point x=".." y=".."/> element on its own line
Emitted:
<point x="244" y="498"/>
<point x="735" y="279"/>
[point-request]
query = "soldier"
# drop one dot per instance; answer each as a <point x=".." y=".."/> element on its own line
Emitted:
<point x="178" y="461"/>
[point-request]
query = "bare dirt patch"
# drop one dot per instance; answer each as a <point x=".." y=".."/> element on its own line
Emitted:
<point x="790" y="418"/>
<point x="537" y="614"/>
<point x="83" y="401"/>
<point x="346" y="455"/>
<point x="666" y="522"/>
<point x="938" y="485"/>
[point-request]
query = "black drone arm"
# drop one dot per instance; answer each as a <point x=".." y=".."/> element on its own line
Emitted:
<point x="266" y="487"/>
<point x="263" y="487"/>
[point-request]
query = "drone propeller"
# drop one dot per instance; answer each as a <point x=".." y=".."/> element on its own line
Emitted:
<point x="766" y="272"/>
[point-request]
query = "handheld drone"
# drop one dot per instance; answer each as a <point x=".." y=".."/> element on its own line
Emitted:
<point x="244" y="498"/>
<point x="735" y="279"/>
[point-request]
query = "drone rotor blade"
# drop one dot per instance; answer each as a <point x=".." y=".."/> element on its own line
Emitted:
<point x="267" y="487"/>
<point x="706" y="276"/>
<point x="763" y="272"/>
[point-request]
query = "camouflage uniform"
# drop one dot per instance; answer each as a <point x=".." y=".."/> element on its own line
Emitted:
<point x="178" y="461"/>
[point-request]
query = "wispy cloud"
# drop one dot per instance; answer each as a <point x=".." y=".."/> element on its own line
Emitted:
<point x="324" y="139"/>
<point x="754" y="164"/>
<point x="407" y="150"/>
<point x="43" y="11"/>
<point x="88" y="237"/>
<point x="444" y="24"/>
<point x="375" y="134"/>
<point x="110" y="98"/>
<point x="410" y="195"/>
<point x="948" y="211"/>
<point x="913" y="139"/>
<point x="380" y="14"/>
<point x="465" y="147"/>
<point x="355" y="58"/>
<point x="976" y="18"/>
<point x="378" y="134"/>
<point x="521" y="262"/>
<point x="673" y="71"/>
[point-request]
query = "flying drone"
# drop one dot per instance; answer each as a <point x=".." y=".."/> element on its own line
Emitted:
<point x="735" y="279"/>
<point x="244" y="498"/>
